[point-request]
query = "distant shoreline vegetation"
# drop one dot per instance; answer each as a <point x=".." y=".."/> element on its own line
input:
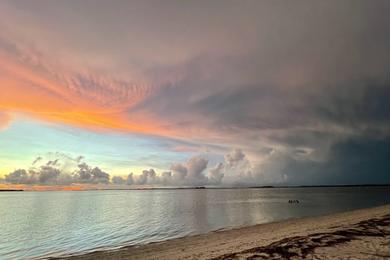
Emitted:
<point x="253" y="187"/>
<point x="213" y="188"/>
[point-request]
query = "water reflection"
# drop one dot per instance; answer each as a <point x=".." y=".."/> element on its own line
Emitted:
<point x="38" y="224"/>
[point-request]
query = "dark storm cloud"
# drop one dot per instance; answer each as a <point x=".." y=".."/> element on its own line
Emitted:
<point x="353" y="161"/>
<point x="364" y="104"/>
<point x="360" y="161"/>
<point x="316" y="81"/>
<point x="321" y="68"/>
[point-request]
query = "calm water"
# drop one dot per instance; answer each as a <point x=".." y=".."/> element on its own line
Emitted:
<point x="41" y="224"/>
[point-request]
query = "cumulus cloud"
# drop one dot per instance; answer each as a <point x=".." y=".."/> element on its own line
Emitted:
<point x="44" y="175"/>
<point x="216" y="174"/>
<point x="118" y="180"/>
<point x="196" y="166"/>
<point x="194" y="172"/>
<point x="151" y="177"/>
<point x="147" y="177"/>
<point x="232" y="159"/>
<point x="20" y="176"/>
<point x="179" y="171"/>
<point x="130" y="179"/>
<point x="190" y="173"/>
<point x="48" y="174"/>
<point x="87" y="174"/>
<point x="363" y="161"/>
<point x="58" y="171"/>
<point x="166" y="178"/>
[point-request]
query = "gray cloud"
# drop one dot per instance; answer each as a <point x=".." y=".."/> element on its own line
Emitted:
<point x="191" y="173"/>
<point x="37" y="160"/>
<point x="232" y="159"/>
<point x="20" y="176"/>
<point x="196" y="166"/>
<point x="348" y="162"/>
<point x="216" y="174"/>
<point x="118" y="180"/>
<point x="87" y="174"/>
<point x="48" y="174"/>
<point x="353" y="161"/>
<point x="147" y="177"/>
<point x="130" y="179"/>
<point x="296" y="85"/>
<point x="315" y="78"/>
<point x="179" y="171"/>
<point x="52" y="163"/>
<point x="59" y="171"/>
<point x="166" y="178"/>
<point x="44" y="175"/>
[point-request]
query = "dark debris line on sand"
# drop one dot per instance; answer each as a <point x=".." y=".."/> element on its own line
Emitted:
<point x="302" y="246"/>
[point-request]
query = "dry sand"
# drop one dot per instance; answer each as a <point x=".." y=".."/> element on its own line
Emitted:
<point x="360" y="234"/>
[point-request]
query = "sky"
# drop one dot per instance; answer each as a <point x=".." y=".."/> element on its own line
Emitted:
<point x="173" y="93"/>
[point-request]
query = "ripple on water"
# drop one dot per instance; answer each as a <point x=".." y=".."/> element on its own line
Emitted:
<point x="41" y="224"/>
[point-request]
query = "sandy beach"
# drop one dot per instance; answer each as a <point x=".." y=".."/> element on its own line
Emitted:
<point x="359" y="234"/>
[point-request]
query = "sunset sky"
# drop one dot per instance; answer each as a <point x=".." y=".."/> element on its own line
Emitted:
<point x="195" y="92"/>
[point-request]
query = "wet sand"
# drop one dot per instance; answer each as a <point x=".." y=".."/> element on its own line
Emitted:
<point x="359" y="234"/>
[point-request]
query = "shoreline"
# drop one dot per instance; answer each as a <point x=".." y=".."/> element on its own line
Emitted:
<point x="193" y="188"/>
<point x="363" y="234"/>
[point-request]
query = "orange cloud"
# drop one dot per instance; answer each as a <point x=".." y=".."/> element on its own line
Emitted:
<point x="44" y="88"/>
<point x="4" y="120"/>
<point x="82" y="99"/>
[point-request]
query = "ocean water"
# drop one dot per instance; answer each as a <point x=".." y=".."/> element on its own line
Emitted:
<point x="54" y="223"/>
